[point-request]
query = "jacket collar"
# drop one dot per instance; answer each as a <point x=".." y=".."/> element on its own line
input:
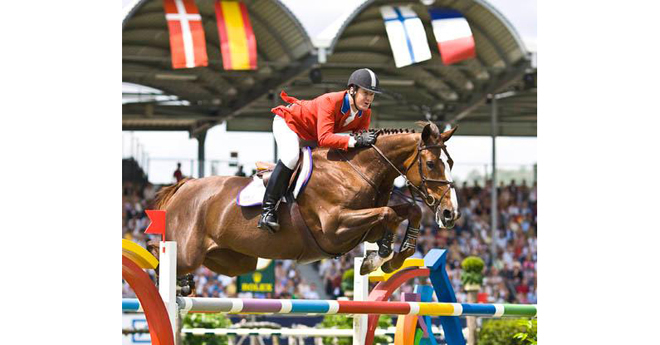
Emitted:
<point x="346" y="106"/>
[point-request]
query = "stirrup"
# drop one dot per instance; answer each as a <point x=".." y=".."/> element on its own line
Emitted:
<point x="264" y="224"/>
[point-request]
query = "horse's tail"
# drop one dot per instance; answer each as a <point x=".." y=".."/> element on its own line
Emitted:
<point x="165" y="194"/>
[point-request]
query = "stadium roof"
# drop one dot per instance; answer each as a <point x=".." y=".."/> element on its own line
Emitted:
<point x="429" y="90"/>
<point x="197" y="98"/>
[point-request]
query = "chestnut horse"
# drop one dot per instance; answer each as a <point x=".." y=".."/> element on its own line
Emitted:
<point x="343" y="205"/>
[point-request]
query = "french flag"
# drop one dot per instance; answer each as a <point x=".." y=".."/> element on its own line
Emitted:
<point x="453" y="34"/>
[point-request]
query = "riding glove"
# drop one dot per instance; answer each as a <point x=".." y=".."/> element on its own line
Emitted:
<point x="365" y="139"/>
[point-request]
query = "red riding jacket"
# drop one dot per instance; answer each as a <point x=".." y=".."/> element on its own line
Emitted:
<point x="319" y="119"/>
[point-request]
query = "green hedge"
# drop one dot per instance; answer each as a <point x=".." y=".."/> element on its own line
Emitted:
<point x="203" y="320"/>
<point x="507" y="332"/>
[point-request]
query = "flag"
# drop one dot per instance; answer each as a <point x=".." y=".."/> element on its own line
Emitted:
<point x="453" y="34"/>
<point x="406" y="34"/>
<point x="237" y="42"/>
<point x="187" y="41"/>
<point x="157" y="226"/>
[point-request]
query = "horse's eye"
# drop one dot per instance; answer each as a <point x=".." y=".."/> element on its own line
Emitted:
<point x="430" y="164"/>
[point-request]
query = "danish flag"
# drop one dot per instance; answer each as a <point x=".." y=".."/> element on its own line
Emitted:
<point x="187" y="41"/>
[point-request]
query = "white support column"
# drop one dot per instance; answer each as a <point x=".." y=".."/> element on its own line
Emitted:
<point x="360" y="293"/>
<point x="167" y="280"/>
<point x="493" y="192"/>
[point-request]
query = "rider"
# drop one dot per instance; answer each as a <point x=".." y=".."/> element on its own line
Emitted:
<point x="318" y="120"/>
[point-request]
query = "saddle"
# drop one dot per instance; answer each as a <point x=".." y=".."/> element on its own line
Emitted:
<point x="253" y="193"/>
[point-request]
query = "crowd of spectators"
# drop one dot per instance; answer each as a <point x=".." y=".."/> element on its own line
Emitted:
<point x="510" y="275"/>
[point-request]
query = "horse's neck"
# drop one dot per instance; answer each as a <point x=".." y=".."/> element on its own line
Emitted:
<point x="398" y="148"/>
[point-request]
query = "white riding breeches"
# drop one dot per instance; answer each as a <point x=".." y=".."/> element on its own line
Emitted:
<point x="288" y="143"/>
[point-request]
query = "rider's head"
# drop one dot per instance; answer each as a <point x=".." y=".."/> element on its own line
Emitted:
<point x="362" y="86"/>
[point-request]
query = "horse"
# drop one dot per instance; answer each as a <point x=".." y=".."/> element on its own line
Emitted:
<point x="344" y="203"/>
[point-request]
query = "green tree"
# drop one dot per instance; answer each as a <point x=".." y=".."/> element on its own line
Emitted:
<point x="347" y="282"/>
<point x="473" y="267"/>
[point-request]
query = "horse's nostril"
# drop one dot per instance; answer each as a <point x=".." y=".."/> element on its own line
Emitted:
<point x="447" y="214"/>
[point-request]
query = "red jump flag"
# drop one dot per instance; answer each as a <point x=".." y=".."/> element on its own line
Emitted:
<point x="187" y="41"/>
<point x="157" y="225"/>
<point x="238" y="44"/>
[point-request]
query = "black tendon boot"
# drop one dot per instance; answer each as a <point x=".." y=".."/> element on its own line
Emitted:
<point x="277" y="185"/>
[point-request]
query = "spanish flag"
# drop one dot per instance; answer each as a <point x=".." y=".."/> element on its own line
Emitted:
<point x="237" y="42"/>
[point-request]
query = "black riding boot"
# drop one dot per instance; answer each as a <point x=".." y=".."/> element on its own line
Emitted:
<point x="277" y="185"/>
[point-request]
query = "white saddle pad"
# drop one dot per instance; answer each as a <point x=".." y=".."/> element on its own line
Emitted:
<point x="253" y="193"/>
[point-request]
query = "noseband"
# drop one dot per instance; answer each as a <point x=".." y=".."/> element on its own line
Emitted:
<point x="422" y="190"/>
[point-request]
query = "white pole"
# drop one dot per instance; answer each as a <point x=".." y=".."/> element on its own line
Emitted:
<point x="360" y="293"/>
<point x="493" y="192"/>
<point x="167" y="280"/>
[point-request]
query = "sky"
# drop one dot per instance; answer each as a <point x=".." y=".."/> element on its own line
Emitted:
<point x="165" y="149"/>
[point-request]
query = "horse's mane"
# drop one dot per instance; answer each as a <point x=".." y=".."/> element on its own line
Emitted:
<point x="165" y="193"/>
<point x="389" y="131"/>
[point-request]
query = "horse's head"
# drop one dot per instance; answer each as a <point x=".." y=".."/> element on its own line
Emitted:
<point x="430" y="174"/>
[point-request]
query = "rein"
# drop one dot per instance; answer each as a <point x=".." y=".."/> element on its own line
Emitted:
<point x="428" y="199"/>
<point x="359" y="173"/>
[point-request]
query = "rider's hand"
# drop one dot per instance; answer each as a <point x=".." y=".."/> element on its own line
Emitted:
<point x="365" y="139"/>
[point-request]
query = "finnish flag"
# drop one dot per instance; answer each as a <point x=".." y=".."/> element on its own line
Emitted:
<point x="406" y="34"/>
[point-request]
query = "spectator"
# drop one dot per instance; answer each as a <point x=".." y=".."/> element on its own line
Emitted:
<point x="240" y="171"/>
<point x="178" y="175"/>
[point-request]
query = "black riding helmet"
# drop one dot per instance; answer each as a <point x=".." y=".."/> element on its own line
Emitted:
<point x="366" y="79"/>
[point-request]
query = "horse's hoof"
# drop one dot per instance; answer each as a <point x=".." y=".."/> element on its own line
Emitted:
<point x="364" y="270"/>
<point x="368" y="264"/>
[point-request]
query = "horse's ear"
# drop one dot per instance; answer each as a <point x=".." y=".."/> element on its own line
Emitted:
<point x="430" y="131"/>
<point x="446" y="135"/>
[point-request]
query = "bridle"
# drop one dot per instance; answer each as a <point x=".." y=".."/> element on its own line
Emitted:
<point x="422" y="190"/>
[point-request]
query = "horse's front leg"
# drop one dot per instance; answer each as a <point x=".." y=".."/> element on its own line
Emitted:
<point x="413" y="213"/>
<point x="381" y="219"/>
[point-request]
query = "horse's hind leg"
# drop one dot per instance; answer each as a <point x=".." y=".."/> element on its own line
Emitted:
<point x="230" y="263"/>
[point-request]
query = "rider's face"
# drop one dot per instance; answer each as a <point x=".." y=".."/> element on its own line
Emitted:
<point x="363" y="99"/>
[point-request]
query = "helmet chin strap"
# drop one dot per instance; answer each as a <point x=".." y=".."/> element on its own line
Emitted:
<point x="354" y="101"/>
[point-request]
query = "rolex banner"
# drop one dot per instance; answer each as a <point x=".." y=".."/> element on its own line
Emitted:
<point x="258" y="281"/>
